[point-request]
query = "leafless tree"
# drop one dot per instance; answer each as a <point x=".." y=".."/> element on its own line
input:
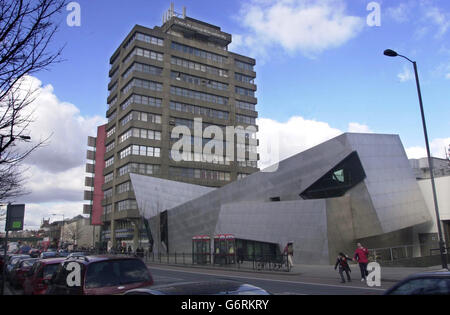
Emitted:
<point x="27" y="28"/>
<point x="71" y="233"/>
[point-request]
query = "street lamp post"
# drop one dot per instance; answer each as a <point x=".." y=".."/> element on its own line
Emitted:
<point x="391" y="53"/>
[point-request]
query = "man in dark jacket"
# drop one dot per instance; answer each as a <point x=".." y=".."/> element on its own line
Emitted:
<point x="342" y="262"/>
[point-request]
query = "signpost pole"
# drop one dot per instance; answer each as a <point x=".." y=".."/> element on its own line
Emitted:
<point x="5" y="249"/>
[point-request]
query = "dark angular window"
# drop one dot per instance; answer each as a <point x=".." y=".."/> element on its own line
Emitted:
<point x="344" y="176"/>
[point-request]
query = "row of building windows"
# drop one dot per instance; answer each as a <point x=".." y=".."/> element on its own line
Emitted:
<point x="141" y="67"/>
<point x="109" y="162"/>
<point x="128" y="204"/>
<point x="108" y="193"/>
<point x="140" y="133"/>
<point x="111" y="132"/>
<point x="190" y="123"/>
<point x="199" y="81"/>
<point x="199" y="67"/>
<point x="110" y="146"/>
<point x="198" y="157"/>
<point x="109" y="177"/>
<point x="198" y="52"/>
<point x="113" y="88"/>
<point x="198" y="110"/>
<point x="245" y="105"/>
<point x="107" y="209"/>
<point x="199" y="95"/>
<point x="245" y="119"/>
<point x="112" y="116"/>
<point x="141" y="99"/>
<point x="243" y="65"/>
<point x="113" y="102"/>
<point x="141" y="116"/>
<point x="199" y="174"/>
<point x="124" y="187"/>
<point x="141" y="150"/>
<point x="141" y="52"/>
<point x="144" y="38"/>
<point x="144" y="84"/>
<point x="139" y="168"/>
<point x="246" y="147"/>
<point x="248" y="163"/>
<point x="244" y="91"/>
<point x="244" y="78"/>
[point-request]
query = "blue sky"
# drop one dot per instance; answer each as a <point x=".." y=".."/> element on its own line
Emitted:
<point x="350" y="82"/>
<point x="320" y="71"/>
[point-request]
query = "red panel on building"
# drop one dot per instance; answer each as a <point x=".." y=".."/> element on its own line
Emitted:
<point x="99" y="179"/>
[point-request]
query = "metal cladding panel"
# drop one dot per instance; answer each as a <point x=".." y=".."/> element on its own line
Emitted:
<point x="304" y="222"/>
<point x="154" y="195"/>
<point x="390" y="182"/>
<point x="99" y="179"/>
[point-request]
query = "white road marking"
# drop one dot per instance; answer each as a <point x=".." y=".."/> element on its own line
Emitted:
<point x="273" y="280"/>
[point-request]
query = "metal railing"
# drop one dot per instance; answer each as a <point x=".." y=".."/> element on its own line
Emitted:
<point x="260" y="263"/>
<point x="391" y="253"/>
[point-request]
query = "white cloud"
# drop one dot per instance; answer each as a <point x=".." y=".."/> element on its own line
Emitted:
<point x="437" y="148"/>
<point x="447" y="76"/>
<point x="56" y="171"/>
<point x="307" y="26"/>
<point x="67" y="128"/>
<point x="280" y="140"/>
<point x="400" y="13"/>
<point x="359" y="128"/>
<point x="405" y="75"/>
<point x="439" y="18"/>
<point x="35" y="212"/>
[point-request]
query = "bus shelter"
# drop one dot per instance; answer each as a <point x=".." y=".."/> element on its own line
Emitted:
<point x="201" y="249"/>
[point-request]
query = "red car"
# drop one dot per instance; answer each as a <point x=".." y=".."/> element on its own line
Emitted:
<point x="100" y="275"/>
<point x="36" y="282"/>
<point x="20" y="272"/>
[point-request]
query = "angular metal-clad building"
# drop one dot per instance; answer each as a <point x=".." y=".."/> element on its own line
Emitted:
<point x="355" y="187"/>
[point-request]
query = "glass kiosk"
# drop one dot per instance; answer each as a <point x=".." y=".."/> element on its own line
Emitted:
<point x="224" y="249"/>
<point x="201" y="249"/>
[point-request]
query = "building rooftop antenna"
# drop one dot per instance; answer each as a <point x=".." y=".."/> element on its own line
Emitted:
<point x="171" y="13"/>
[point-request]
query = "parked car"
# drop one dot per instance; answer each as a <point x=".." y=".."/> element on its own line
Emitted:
<point x="20" y="271"/>
<point x="39" y="275"/>
<point x="77" y="254"/>
<point x="102" y="275"/>
<point x="45" y="255"/>
<point x="11" y="263"/>
<point x="34" y="253"/>
<point x="216" y="287"/>
<point x="63" y="253"/>
<point x="429" y="283"/>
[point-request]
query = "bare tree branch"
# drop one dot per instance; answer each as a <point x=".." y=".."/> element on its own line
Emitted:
<point x="27" y="28"/>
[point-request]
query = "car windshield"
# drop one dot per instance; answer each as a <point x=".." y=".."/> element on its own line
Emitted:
<point x="49" y="270"/>
<point x="28" y="262"/>
<point x="116" y="272"/>
<point x="425" y="286"/>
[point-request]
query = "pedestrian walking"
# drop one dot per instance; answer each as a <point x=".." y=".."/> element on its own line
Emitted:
<point x="342" y="262"/>
<point x="240" y="255"/>
<point x="361" y="256"/>
<point x="289" y="252"/>
<point x="130" y="251"/>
